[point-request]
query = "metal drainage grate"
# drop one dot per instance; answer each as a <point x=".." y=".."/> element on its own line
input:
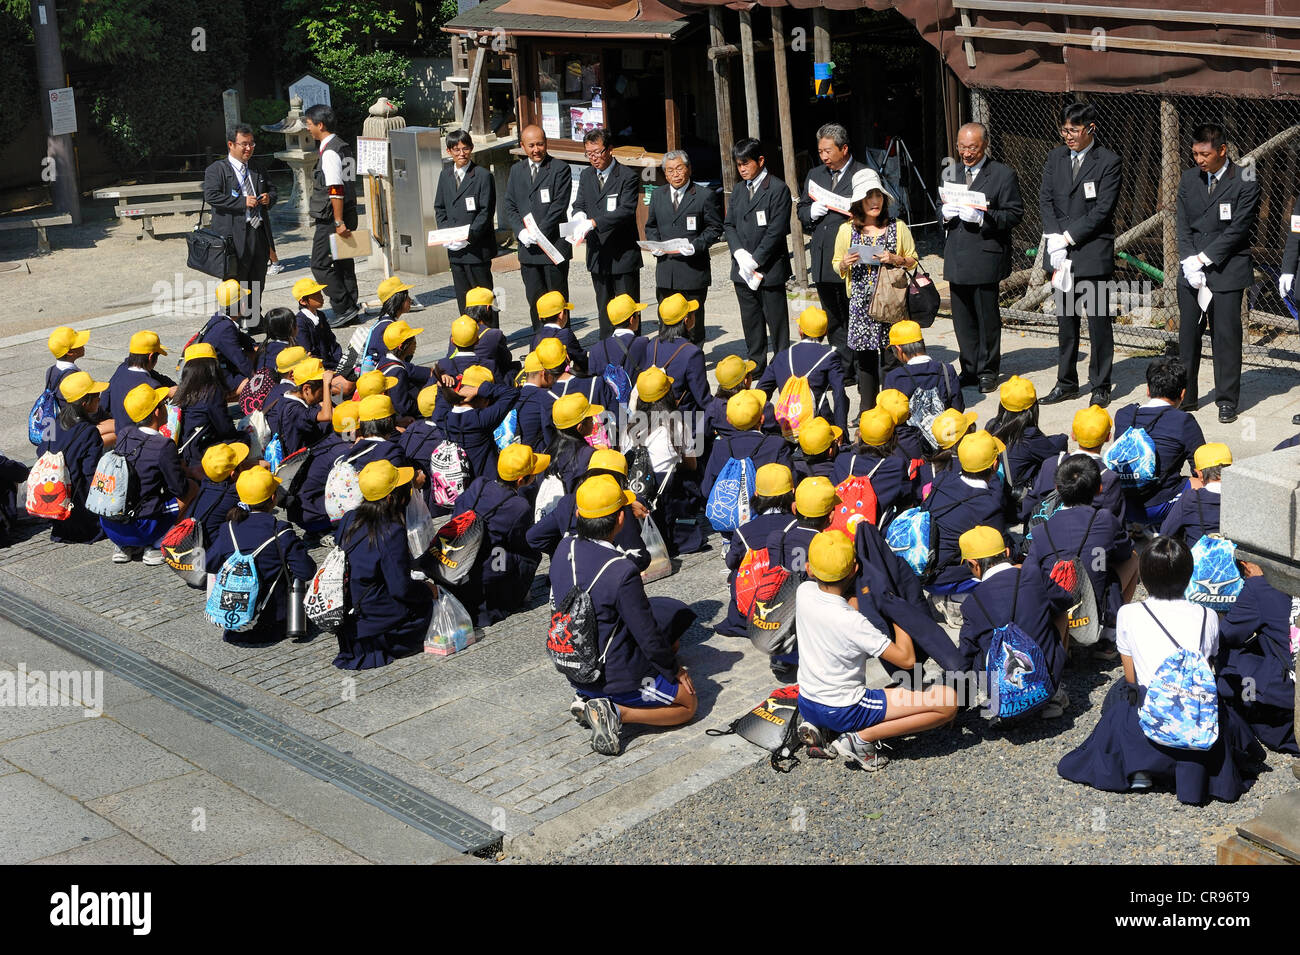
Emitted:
<point x="401" y="800"/>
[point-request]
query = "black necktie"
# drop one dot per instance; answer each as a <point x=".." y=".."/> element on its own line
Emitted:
<point x="1214" y="181"/>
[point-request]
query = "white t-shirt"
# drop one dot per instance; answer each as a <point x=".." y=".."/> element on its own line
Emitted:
<point x="1139" y="637"/>
<point x="835" y="642"/>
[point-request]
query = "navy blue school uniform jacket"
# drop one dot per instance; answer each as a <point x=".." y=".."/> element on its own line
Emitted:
<point x="268" y="354"/>
<point x="760" y="448"/>
<point x="750" y="536"/>
<point x="802" y="469"/>
<point x="623" y="347"/>
<point x="683" y="362"/>
<point x="213" y="418"/>
<point x="497" y="586"/>
<point x="407" y="389"/>
<point x="286" y="552"/>
<point x="889" y="477"/>
<point x="1193" y="515"/>
<point x="536" y="426"/>
<point x="821" y="366"/>
<point x="82" y="447"/>
<point x="122" y="381"/>
<point x="12" y="475"/>
<point x="1027" y="455"/>
<point x="1255" y="646"/>
<point x="156" y="464"/>
<point x="546" y="534"/>
<point x="920" y="374"/>
<point x="315" y="335"/>
<point x="956" y="506"/>
<point x="716" y="424"/>
<point x="472" y="428"/>
<point x="277" y="392"/>
<point x="1288" y="443"/>
<point x="418" y="442"/>
<point x="492" y="351"/>
<point x="910" y="443"/>
<point x="295" y="422"/>
<point x="375" y="346"/>
<point x="1112" y="493"/>
<point x="308" y="508"/>
<point x="234" y="346"/>
<point x="211" y="505"/>
<point x="54" y="376"/>
<point x="571" y="468"/>
<point x="634" y="633"/>
<point x="1063" y="536"/>
<point x="392" y="611"/>
<point x="1176" y="436"/>
<point x="577" y="355"/>
<point x="365" y="450"/>
<point x="457" y="360"/>
<point x="989" y="606"/>
<point x="595" y="388"/>
<point x="789" y="548"/>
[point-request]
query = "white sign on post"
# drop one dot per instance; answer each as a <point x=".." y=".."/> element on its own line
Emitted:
<point x="551" y="114"/>
<point x="63" y="112"/>
<point x="312" y="90"/>
<point x="372" y="156"/>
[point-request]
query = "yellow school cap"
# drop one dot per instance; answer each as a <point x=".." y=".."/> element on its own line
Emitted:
<point x="376" y="408"/>
<point x="391" y="286"/>
<point x="815" y="496"/>
<point x="229" y="292"/>
<point x="815" y="436"/>
<point x="552" y="304"/>
<point x="141" y="400"/>
<point x="875" y="427"/>
<point x="607" y="459"/>
<point x="398" y="332"/>
<point x="904" y="333"/>
<point x="980" y="542"/>
<point x="551" y="354"/>
<point x="1212" y="455"/>
<point x="532" y="364"/>
<point x="220" y="460"/>
<point x="309" y="369"/>
<point x="831" y="556"/>
<point x="601" y="496"/>
<point x="731" y="371"/>
<point x="475" y="375"/>
<point x="256" y="485"/>
<point x="1091" y="426"/>
<point x="569" y="410"/>
<point x="896" y="403"/>
<point x="977" y="452"/>
<point x="77" y="385"/>
<point x="773" y="480"/>
<point x="518" y="460"/>
<point x="427" y="399"/>
<point x="378" y="479"/>
<point x="675" y="308"/>
<point x="63" y="340"/>
<point x="951" y="426"/>
<point x="305" y="287"/>
<point x="464" y="332"/>
<point x="652" y="384"/>
<point x="199" y="350"/>
<point x="1017" y="394"/>
<point x="744" y="410"/>
<point x="479" y="296"/>
<point x="813" y="322"/>
<point x="288" y="357"/>
<point x="146" y="343"/>
<point x="345" y="417"/>
<point x="373" y="382"/>
<point x="622" y="307"/>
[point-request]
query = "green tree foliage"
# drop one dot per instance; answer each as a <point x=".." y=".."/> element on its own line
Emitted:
<point x="17" y="73"/>
<point x="358" y="78"/>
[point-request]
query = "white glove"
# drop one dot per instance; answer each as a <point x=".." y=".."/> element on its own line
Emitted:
<point x="657" y="252"/>
<point x="1196" y="279"/>
<point x="746" y="261"/>
<point x="972" y="215"/>
<point x="1055" y="243"/>
<point x="1069" y="239"/>
<point x="818" y="210"/>
<point x="526" y="236"/>
<point x="950" y="211"/>
<point x="1057" y="259"/>
<point x="1284" y="284"/>
<point x="457" y="246"/>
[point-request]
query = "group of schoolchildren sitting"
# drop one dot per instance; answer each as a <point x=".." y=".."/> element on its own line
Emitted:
<point x="605" y="458"/>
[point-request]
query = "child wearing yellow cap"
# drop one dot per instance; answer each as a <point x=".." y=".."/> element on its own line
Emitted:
<point x="394" y="302"/>
<point x="672" y="351"/>
<point x="235" y="348"/>
<point x="306" y="491"/>
<point x="75" y="436"/>
<point x="959" y="502"/>
<point x="813" y="359"/>
<point x="201" y="398"/>
<point x="597" y="392"/>
<point x="918" y="376"/>
<point x="623" y="344"/>
<point x="311" y="330"/>
<point x="461" y="353"/>
<point x="279" y="324"/>
<point x="303" y="416"/>
<point x="470" y="413"/>
<point x="839" y="714"/>
<point x="492" y="351"/>
<point x="217" y="494"/>
<point x="505" y="564"/>
<point x="772" y="511"/>
<point x="66" y="345"/>
<point x="553" y="310"/>
<point x="1196" y="511"/>
<point x="875" y="455"/>
<point x="747" y="442"/>
<point x="575" y="419"/>
<point x="641" y="680"/>
<point x="139" y="367"/>
<point x="1016" y="426"/>
<point x="392" y="609"/>
<point x="1090" y="430"/>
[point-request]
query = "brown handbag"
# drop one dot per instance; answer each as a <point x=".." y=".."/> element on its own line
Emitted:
<point x="889" y="301"/>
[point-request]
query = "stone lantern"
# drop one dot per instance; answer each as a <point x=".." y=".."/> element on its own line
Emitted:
<point x="301" y="154"/>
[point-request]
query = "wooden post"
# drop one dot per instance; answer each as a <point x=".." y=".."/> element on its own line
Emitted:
<point x="787" y="143"/>
<point x="476" y="99"/>
<point x="1169" y="176"/>
<point x="672" y="123"/>
<point x="751" y="78"/>
<point x="821" y="19"/>
<point x="722" y="96"/>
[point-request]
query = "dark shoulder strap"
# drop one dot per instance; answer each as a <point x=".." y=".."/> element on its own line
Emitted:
<point x="1177" y="645"/>
<point x="1087" y="530"/>
<point x="676" y="353"/>
<point x="621" y="347"/>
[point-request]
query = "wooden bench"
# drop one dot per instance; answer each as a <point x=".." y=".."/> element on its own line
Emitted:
<point x="39" y="224"/>
<point x="136" y="208"/>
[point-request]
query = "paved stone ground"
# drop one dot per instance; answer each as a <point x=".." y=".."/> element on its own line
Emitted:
<point x="486" y="729"/>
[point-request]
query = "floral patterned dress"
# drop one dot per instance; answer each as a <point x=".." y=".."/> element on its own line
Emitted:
<point x="864" y="331"/>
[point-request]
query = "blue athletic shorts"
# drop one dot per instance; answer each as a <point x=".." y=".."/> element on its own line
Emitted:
<point x="659" y="691"/>
<point x="868" y="711"/>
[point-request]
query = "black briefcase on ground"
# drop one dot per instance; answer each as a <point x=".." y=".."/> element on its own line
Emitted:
<point x="210" y="252"/>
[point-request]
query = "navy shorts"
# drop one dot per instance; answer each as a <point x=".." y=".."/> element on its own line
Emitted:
<point x="867" y="712"/>
<point x="655" y="692"/>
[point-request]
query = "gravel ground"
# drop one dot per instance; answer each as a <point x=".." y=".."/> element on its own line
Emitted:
<point x="965" y="794"/>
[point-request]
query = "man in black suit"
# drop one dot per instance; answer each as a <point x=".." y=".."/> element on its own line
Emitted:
<point x="977" y="254"/>
<point x="333" y="204"/>
<point x="1290" y="256"/>
<point x="539" y="185"/>
<point x="605" y="211"/>
<point x="757" y="227"/>
<point x="467" y="195"/>
<point x="823" y="224"/>
<point x="684" y="210"/>
<point x="241" y="200"/>
<point x="1081" y="183"/>
<point x="1217" y="205"/>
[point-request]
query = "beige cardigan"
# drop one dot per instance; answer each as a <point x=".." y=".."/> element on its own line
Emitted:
<point x="906" y="247"/>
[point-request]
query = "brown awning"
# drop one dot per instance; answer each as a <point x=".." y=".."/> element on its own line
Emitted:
<point x="598" y="19"/>
<point x="621" y="11"/>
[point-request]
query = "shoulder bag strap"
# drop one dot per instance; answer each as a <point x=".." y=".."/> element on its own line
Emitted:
<point x="1088" y="530"/>
<point x="1177" y="645"/>
<point x="872" y="472"/>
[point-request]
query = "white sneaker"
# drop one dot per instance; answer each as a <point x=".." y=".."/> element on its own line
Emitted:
<point x="1140" y="781"/>
<point x="275" y="268"/>
<point x="1055" y="707"/>
<point x="602" y="717"/>
<point x="867" y="756"/>
<point x="121" y="555"/>
<point x="152" y="557"/>
<point x="578" y="710"/>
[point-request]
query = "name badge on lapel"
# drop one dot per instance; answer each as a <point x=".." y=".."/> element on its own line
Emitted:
<point x="761" y="218"/>
<point x="470" y="204"/>
<point x="1225" y="211"/>
<point x="690" y="223"/>
<point x="611" y="203"/>
<point x="544" y="195"/>
<point x="1090" y="190"/>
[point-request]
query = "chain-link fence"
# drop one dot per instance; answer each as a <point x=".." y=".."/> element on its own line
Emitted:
<point x="1152" y="136"/>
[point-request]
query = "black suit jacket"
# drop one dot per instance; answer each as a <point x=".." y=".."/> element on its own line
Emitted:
<point x="451" y="206"/>
<point x="611" y="244"/>
<point x="824" y="230"/>
<point x="1292" y="251"/>
<point x="698" y="208"/>
<point x="1202" y="227"/>
<point x="766" y="243"/>
<point x="547" y="199"/>
<point x="225" y="196"/>
<point x="981" y="254"/>
<point x="1065" y="206"/>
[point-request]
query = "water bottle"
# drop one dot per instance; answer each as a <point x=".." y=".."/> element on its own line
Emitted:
<point x="297" y="626"/>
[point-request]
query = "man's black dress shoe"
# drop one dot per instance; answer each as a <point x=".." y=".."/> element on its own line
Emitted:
<point x="1227" y="414"/>
<point x="1059" y="393"/>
